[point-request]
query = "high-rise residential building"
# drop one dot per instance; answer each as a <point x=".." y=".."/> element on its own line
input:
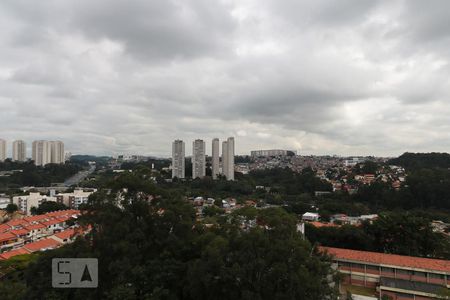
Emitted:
<point x="178" y="166"/>
<point x="41" y="152"/>
<point x="19" y="151"/>
<point x="230" y="159"/>
<point x="2" y="150"/>
<point x="215" y="163"/>
<point x="57" y="152"/>
<point x="46" y="152"/>
<point x="224" y="158"/>
<point x="198" y="159"/>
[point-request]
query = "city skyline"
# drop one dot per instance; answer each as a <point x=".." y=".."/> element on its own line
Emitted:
<point x="220" y="165"/>
<point x="351" y="78"/>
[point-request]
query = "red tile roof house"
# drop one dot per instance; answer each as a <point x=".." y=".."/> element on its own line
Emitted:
<point x="36" y="230"/>
<point x="42" y="245"/>
<point x="397" y="276"/>
<point x="8" y="241"/>
<point x="66" y="236"/>
<point x="54" y="225"/>
<point x="9" y="254"/>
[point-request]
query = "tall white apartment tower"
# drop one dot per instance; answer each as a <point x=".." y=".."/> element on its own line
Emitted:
<point x="224" y="158"/>
<point x="41" y="152"/>
<point x="215" y="158"/>
<point x="230" y="159"/>
<point x="57" y="152"/>
<point x="2" y="150"/>
<point x="19" y="151"/>
<point x="198" y="159"/>
<point x="178" y="159"/>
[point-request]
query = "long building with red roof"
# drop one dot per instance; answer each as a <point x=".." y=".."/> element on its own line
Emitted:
<point x="396" y="276"/>
<point x="18" y="232"/>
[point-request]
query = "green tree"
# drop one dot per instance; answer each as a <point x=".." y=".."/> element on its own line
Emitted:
<point x="157" y="250"/>
<point x="47" y="206"/>
<point x="11" y="208"/>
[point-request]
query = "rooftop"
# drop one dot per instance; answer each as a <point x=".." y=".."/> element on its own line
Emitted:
<point x="320" y="224"/>
<point x="389" y="259"/>
<point x="19" y="231"/>
<point x="42" y="245"/>
<point x="6" y="236"/>
<point x="65" y="234"/>
<point x="34" y="226"/>
<point x="9" y="254"/>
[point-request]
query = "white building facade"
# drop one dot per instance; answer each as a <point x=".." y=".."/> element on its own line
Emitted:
<point x="224" y="158"/>
<point x="178" y="163"/>
<point x="57" y="152"/>
<point x="2" y="150"/>
<point x="25" y="203"/>
<point x="198" y="159"/>
<point x="46" y="152"/>
<point x="19" y="151"/>
<point x="228" y="158"/>
<point x="41" y="153"/>
<point x="215" y="162"/>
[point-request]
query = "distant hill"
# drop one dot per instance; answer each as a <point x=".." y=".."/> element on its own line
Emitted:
<point x="422" y="160"/>
<point x="86" y="158"/>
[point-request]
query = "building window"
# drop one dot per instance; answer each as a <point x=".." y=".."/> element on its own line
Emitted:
<point x="343" y="264"/>
<point x="387" y="270"/>
<point x="373" y="268"/>
<point x="357" y="266"/>
<point x="419" y="274"/>
<point x="436" y="276"/>
<point x="405" y="296"/>
<point x="403" y="272"/>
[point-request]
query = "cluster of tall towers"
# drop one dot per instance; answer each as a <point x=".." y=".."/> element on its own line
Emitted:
<point x="43" y="152"/>
<point x="19" y="150"/>
<point x="224" y="167"/>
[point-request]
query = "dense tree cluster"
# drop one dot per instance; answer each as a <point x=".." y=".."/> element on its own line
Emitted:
<point x="413" y="161"/>
<point x="47" y="206"/>
<point x="397" y="233"/>
<point x="31" y="175"/>
<point x="159" y="251"/>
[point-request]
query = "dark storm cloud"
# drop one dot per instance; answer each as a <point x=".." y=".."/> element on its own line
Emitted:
<point x="346" y="77"/>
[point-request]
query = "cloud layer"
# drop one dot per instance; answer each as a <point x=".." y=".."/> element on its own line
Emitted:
<point x="323" y="77"/>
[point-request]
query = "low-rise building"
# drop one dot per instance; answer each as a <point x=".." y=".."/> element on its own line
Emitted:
<point x="310" y="216"/>
<point x="26" y="202"/>
<point x="16" y="233"/>
<point x="76" y="198"/>
<point x="398" y="277"/>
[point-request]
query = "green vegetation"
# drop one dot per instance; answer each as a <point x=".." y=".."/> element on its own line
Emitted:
<point x="47" y="206"/>
<point x="84" y="159"/>
<point x="11" y="208"/>
<point x="413" y="161"/>
<point x="159" y="251"/>
<point x="156" y="249"/>
<point x="27" y="174"/>
<point x="12" y="276"/>
<point x="397" y="232"/>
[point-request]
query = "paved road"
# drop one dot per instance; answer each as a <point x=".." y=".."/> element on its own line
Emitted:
<point x="75" y="179"/>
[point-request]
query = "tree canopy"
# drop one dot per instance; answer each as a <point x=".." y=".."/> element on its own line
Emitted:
<point x="158" y="251"/>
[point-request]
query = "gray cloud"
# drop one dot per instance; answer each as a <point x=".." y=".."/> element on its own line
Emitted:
<point x="347" y="77"/>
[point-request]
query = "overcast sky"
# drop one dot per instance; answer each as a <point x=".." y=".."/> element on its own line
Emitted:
<point x="343" y="77"/>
